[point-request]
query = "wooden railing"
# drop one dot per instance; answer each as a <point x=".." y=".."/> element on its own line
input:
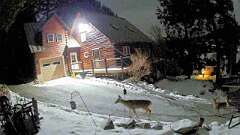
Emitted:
<point x="105" y="64"/>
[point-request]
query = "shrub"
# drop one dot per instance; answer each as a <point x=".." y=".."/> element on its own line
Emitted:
<point x="140" y="65"/>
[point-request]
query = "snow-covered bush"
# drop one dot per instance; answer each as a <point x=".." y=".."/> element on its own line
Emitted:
<point x="4" y="91"/>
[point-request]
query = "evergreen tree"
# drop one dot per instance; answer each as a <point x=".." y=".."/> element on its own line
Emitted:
<point x="194" y="26"/>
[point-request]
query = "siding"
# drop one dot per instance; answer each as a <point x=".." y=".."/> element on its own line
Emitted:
<point x="53" y="49"/>
<point x="95" y="39"/>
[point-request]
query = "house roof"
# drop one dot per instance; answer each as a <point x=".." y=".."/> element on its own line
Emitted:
<point x="31" y="29"/>
<point x="117" y="29"/>
<point x="72" y="43"/>
<point x="33" y="34"/>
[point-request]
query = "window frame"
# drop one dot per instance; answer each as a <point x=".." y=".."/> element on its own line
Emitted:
<point x="56" y="62"/>
<point x="99" y="54"/>
<point x="45" y="65"/>
<point x="50" y="41"/>
<point x="75" y="56"/>
<point x="126" y="50"/>
<point x="57" y="38"/>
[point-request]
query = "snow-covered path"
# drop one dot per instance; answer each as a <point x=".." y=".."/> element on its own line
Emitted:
<point x="100" y="99"/>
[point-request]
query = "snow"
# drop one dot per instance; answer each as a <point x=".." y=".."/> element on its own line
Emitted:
<point x="143" y="87"/>
<point x="59" y="120"/>
<point x="222" y="129"/>
<point x="140" y="87"/>
<point x="184" y="123"/>
<point x="100" y="95"/>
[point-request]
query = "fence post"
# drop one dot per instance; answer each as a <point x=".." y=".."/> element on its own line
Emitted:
<point x="106" y="66"/>
<point x="82" y="66"/>
<point x="35" y="109"/>
<point x="122" y="65"/>
<point x="92" y="61"/>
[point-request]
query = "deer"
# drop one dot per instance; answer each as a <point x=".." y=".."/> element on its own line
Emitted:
<point x="135" y="104"/>
<point x="217" y="105"/>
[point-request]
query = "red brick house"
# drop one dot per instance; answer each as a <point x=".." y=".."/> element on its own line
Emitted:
<point x="80" y="42"/>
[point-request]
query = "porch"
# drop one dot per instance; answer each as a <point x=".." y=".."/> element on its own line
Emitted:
<point x="103" y="67"/>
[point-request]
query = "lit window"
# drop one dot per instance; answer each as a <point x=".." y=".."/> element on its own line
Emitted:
<point x="50" y="38"/>
<point x="83" y="36"/>
<point x="126" y="50"/>
<point x="59" y="37"/>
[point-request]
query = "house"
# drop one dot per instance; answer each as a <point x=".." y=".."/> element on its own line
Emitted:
<point x="71" y="42"/>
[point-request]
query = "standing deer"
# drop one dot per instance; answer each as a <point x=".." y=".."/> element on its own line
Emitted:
<point x="217" y="105"/>
<point x="135" y="104"/>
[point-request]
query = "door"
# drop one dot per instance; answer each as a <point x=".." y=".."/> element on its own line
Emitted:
<point x="96" y="57"/>
<point x="52" y="68"/>
<point x="74" y="61"/>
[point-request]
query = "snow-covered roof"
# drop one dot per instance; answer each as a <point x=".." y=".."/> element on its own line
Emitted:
<point x="72" y="43"/>
<point x="33" y="34"/>
<point x="117" y="29"/>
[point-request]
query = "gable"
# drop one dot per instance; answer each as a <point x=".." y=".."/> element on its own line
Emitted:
<point x="53" y="26"/>
<point x="117" y="29"/>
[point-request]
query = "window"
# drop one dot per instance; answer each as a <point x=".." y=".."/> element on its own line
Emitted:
<point x="73" y="57"/>
<point x="50" y="38"/>
<point x="83" y="36"/>
<point x="74" y="61"/>
<point x="58" y="37"/>
<point x="96" y="53"/>
<point x="126" y="50"/>
<point x="56" y="63"/>
<point x="46" y="65"/>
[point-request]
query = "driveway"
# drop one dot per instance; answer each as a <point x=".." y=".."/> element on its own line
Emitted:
<point x="100" y="98"/>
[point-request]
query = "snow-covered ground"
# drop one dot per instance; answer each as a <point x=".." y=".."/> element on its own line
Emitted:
<point x="100" y="94"/>
<point x="60" y="120"/>
<point x="143" y="87"/>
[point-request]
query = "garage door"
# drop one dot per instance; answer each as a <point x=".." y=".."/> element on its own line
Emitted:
<point x="52" y="68"/>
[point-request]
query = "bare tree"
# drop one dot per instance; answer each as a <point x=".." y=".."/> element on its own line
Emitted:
<point x="140" y="66"/>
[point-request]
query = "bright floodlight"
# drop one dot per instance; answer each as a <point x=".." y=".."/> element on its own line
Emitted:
<point x="83" y="27"/>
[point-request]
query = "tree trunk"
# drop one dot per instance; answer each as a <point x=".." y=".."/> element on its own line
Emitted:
<point x="218" y="53"/>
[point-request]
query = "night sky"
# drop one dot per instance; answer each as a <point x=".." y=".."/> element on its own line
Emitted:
<point x="141" y="13"/>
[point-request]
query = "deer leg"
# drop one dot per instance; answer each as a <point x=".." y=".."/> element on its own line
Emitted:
<point x="129" y="113"/>
<point x="134" y="111"/>
<point x="148" y="112"/>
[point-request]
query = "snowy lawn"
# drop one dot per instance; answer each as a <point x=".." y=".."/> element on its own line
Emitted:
<point x="59" y="120"/>
<point x="100" y="95"/>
